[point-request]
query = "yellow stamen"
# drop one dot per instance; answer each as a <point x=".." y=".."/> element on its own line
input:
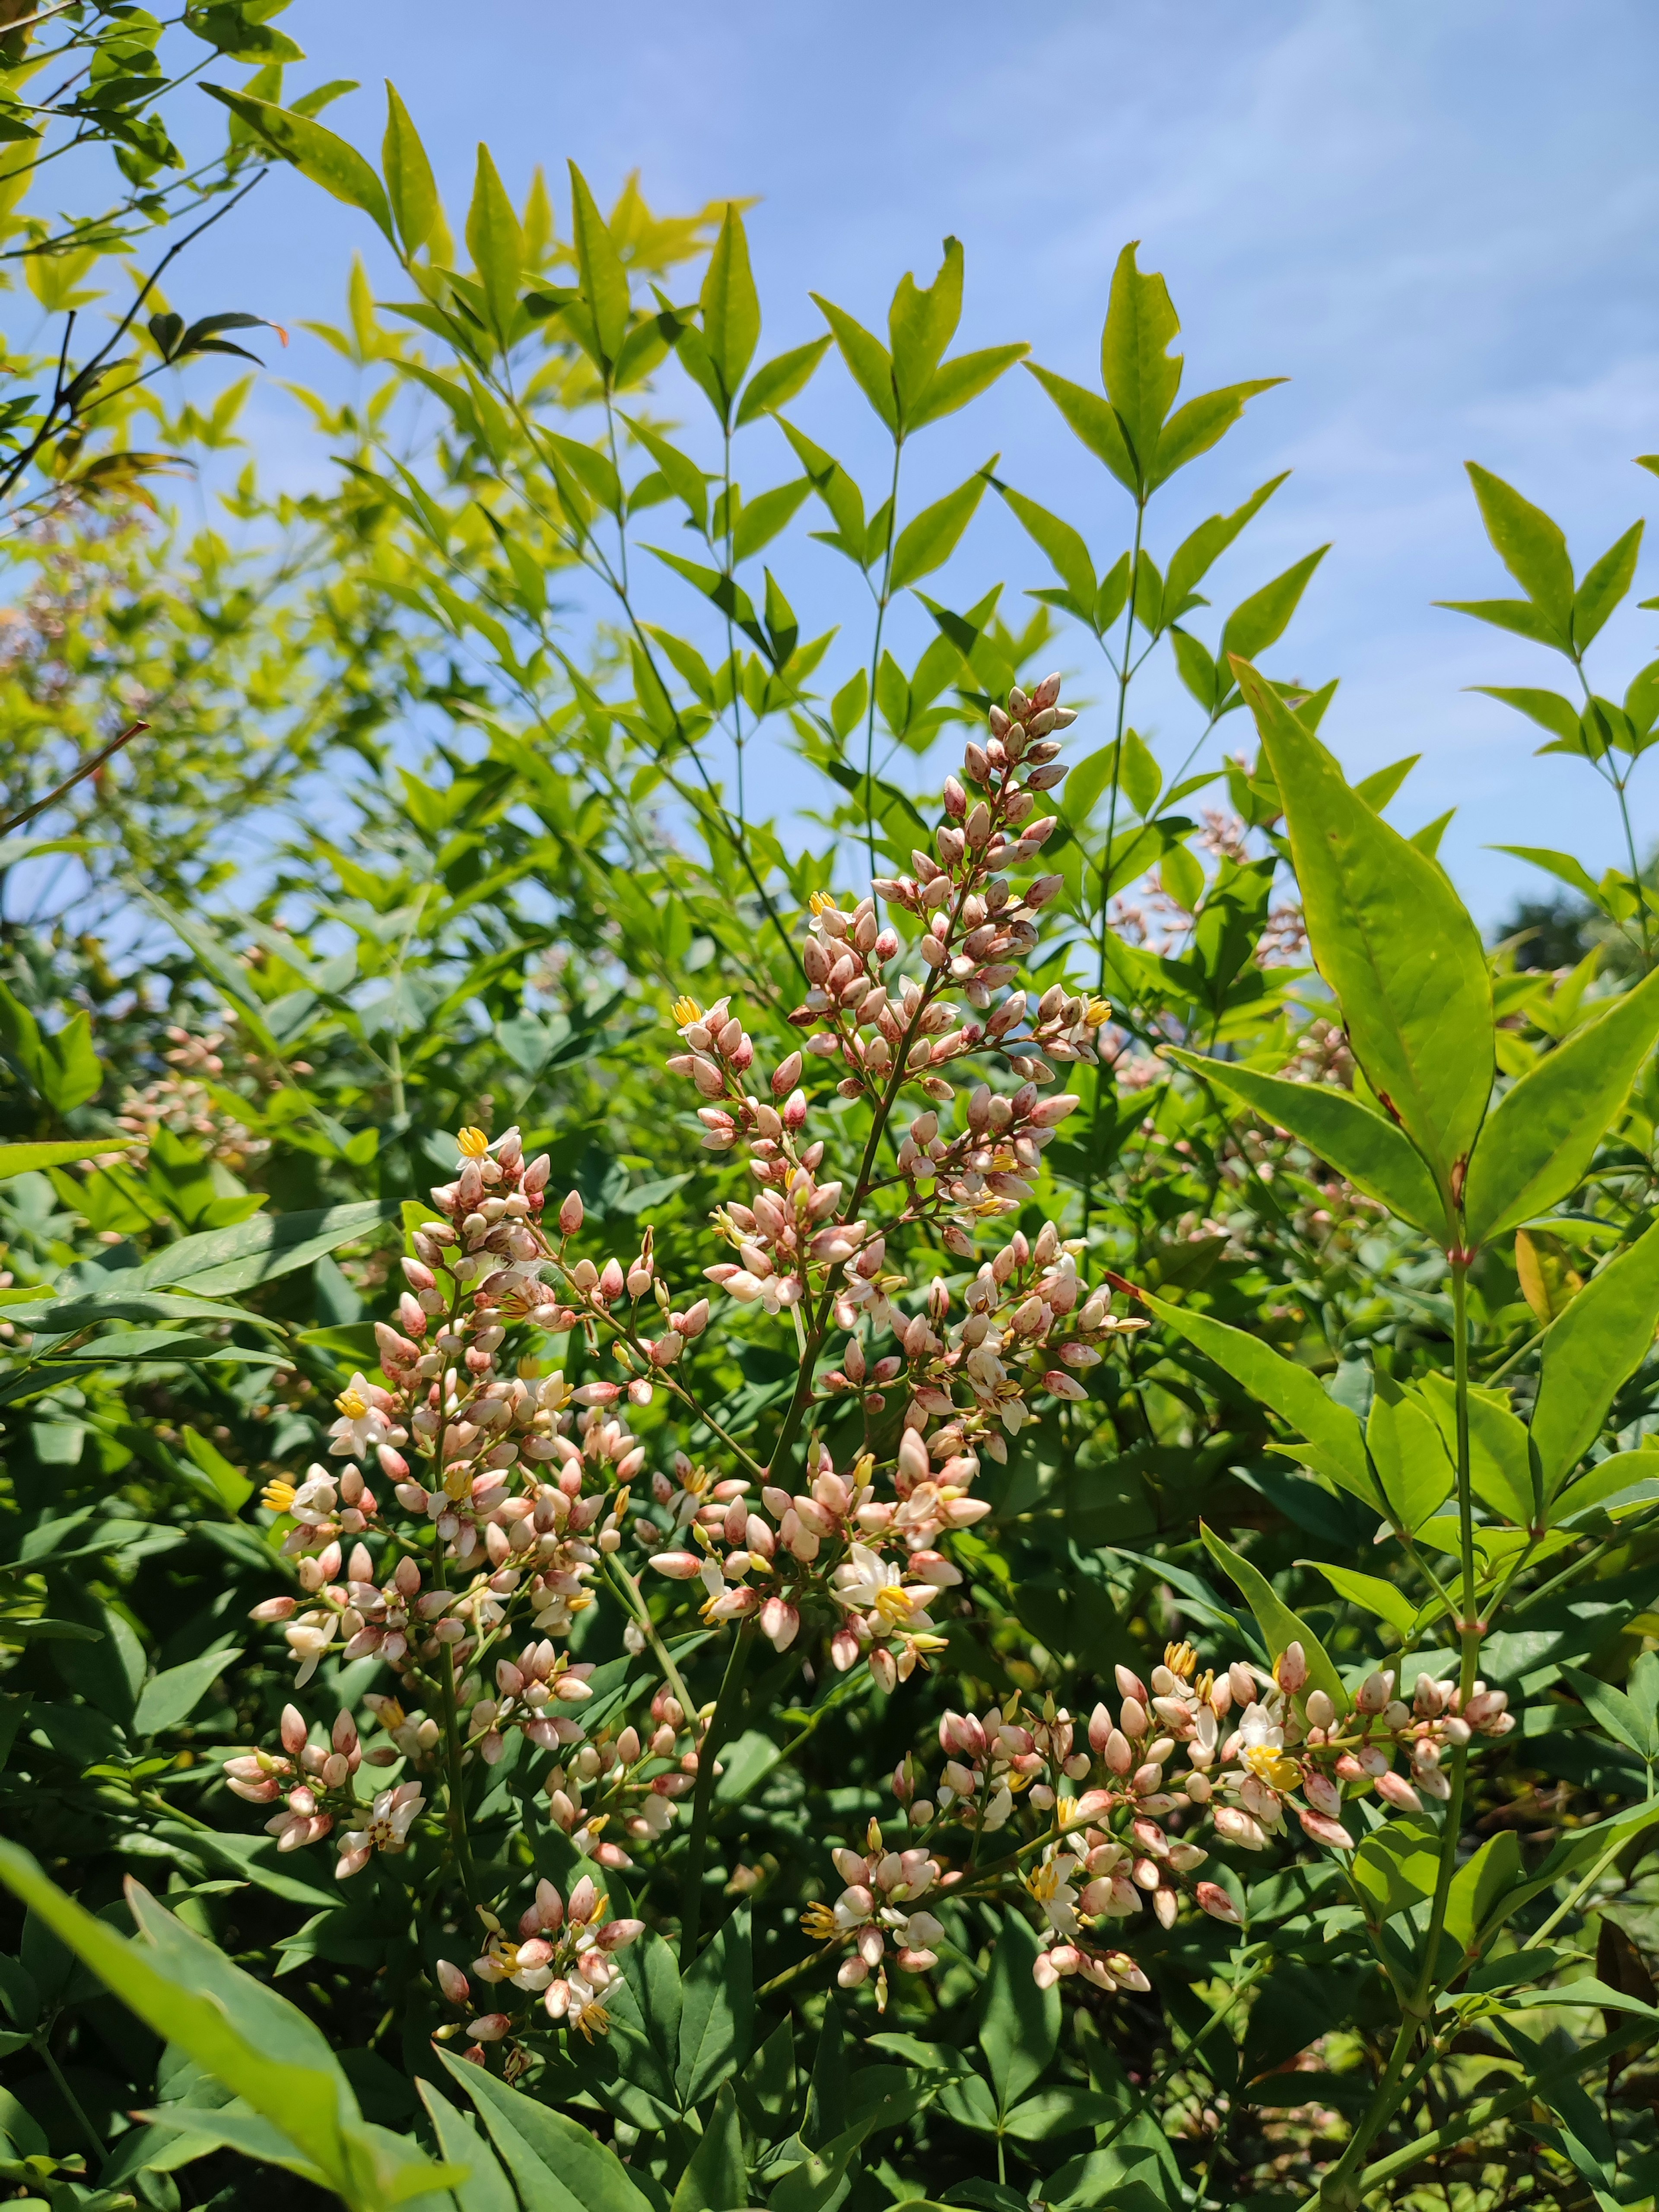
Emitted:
<point x="820" y="1923"/>
<point x="1274" y="1769"/>
<point x="352" y="1404"/>
<point x="277" y="1496"/>
<point x="823" y="902"/>
<point x="473" y="1144"/>
<point x="1181" y="1659"/>
<point x="1097" y="1013"/>
<point x="685" y="1011"/>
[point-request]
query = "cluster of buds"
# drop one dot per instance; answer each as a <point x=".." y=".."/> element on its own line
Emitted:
<point x="315" y="1781"/>
<point x="564" y="1952"/>
<point x="635" y="1782"/>
<point x="878" y="1906"/>
<point x="822" y="1547"/>
<point x="1030" y="1328"/>
<point x="1109" y="1804"/>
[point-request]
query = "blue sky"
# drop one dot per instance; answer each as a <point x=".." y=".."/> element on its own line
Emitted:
<point x="1439" y="222"/>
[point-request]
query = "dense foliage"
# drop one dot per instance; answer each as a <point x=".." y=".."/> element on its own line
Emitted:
<point x="927" y="1502"/>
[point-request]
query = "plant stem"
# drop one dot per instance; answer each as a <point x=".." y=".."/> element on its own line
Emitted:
<point x="702" y="1800"/>
<point x="94" y="2142"/>
<point x="1125" y="677"/>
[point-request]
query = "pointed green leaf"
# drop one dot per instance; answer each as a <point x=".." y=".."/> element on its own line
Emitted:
<point x="172" y="1696"/>
<point x="604" y="280"/>
<point x="1359" y="1143"/>
<point x="1380" y="787"/>
<point x="954" y="383"/>
<point x="1280" y="1627"/>
<point x="1605" y="586"/>
<point x="221" y="1261"/>
<point x="1393" y="940"/>
<point x="1556" y="714"/>
<point x="865" y="356"/>
<point x="555" y="2165"/>
<point x="731" y="306"/>
<point x="1370" y="1593"/>
<point x="1500" y="1450"/>
<point x="762" y="517"/>
<point x="1263" y="618"/>
<point x="1140" y="376"/>
<point x="1603" y="1336"/>
<point x="1095" y="422"/>
<point x="1019" y="2023"/>
<point x="486" y="2188"/>
<point x="1560" y="865"/>
<point x="1608" y="1479"/>
<point x="316" y="153"/>
<point x="1297" y="1396"/>
<point x="1519" y="616"/>
<point x="1622" y="1718"/>
<point x="1409" y="1455"/>
<point x="921" y="325"/>
<point x="410" y="187"/>
<point x="680" y="472"/>
<point x="1201" y="423"/>
<point x="27" y="1159"/>
<point x="1067" y="554"/>
<point x="496" y="245"/>
<point x="1530" y="546"/>
<point x="928" y="541"/>
<point x="777" y="381"/>
<point x="715" y="2178"/>
<point x="717" y="2014"/>
<point x="1543" y="1133"/>
<point x="1197" y="554"/>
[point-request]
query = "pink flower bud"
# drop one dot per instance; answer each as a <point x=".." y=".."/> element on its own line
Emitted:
<point x="787" y="1076"/>
<point x="294" y="1730"/>
<point x="1214" y="1901"/>
<point x="570" y="1215"/>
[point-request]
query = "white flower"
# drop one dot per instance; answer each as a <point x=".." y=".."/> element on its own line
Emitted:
<point x="361" y="1426"/>
<point x="868" y="1584"/>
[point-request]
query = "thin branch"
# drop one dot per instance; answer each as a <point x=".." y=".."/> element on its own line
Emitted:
<point x="86" y="769"/>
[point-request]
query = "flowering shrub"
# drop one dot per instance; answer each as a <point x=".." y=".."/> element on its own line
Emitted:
<point x="644" y="1684"/>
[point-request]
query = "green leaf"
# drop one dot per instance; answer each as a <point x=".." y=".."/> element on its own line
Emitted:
<point x="1263" y="618"/>
<point x="1548" y="708"/>
<point x="1369" y="1152"/>
<point x="760" y="518"/>
<point x="1019" y="2023"/>
<point x="411" y="188"/>
<point x="262" y="2049"/>
<point x="1393" y="940"/>
<point x="1562" y="865"/>
<point x="168" y="1698"/>
<point x="29" y="1159"/>
<point x="715" y="2178"/>
<point x="1608" y="1479"/>
<point x="1530" y="546"/>
<point x="87" y="1308"/>
<point x="1280" y="1627"/>
<point x="1543" y="1133"/>
<point x="1370" y="1593"/>
<point x="486" y="2188"/>
<point x="1409" y="1455"/>
<point x="1603" y="1336"/>
<point x="604" y="279"/>
<point x="731" y="306"/>
<point x="1480" y="1887"/>
<point x="777" y="381"/>
<point x="234" y="1487"/>
<point x="866" y="358"/>
<point x="717" y="2013"/>
<point x="224" y="1260"/>
<point x="1140" y="376"/>
<point x="928" y="541"/>
<point x="680" y="472"/>
<point x="1298" y="1397"/>
<point x="921" y="324"/>
<point x="496" y="245"/>
<point x="1196" y="555"/>
<point x="315" y="152"/>
<point x="1201" y="423"/>
<point x="555" y="2165"/>
<point x="1625" y="1721"/>
<point x="1067" y="554"/>
<point x="1500" y="1451"/>
<point x="954" y="383"/>
<point x="1095" y="422"/>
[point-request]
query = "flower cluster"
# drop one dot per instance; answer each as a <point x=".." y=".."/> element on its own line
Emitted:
<point x="1257" y="1744"/>
<point x="564" y="1952"/>
<point x="878" y="1906"/>
<point x="636" y="1782"/>
<point x="316" y="1782"/>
